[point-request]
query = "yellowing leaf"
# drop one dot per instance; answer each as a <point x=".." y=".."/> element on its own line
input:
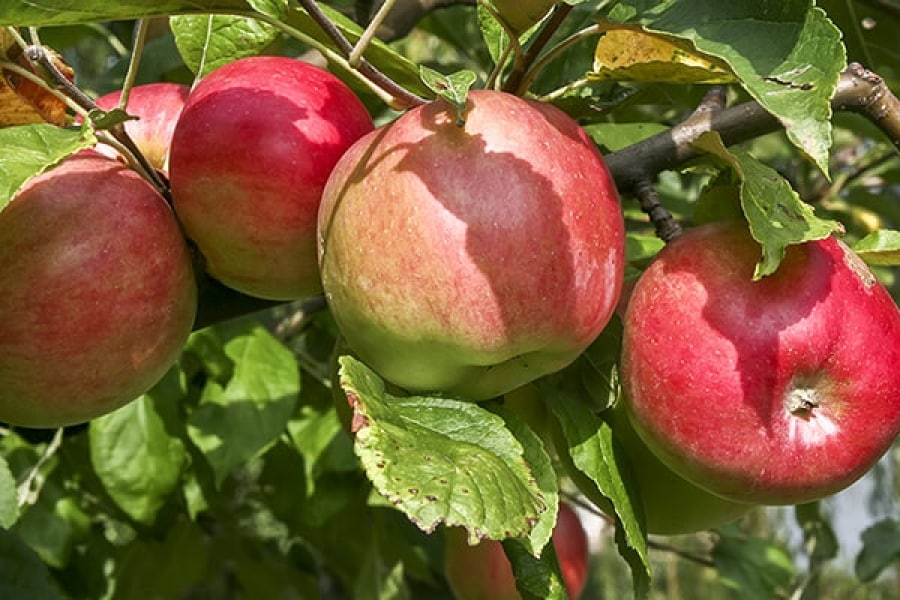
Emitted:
<point x="23" y="102"/>
<point x="628" y="53"/>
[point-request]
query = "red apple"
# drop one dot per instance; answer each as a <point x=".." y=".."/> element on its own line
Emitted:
<point x="158" y="106"/>
<point x="98" y="293"/>
<point x="471" y="259"/>
<point x="482" y="572"/>
<point x="671" y="504"/>
<point x="778" y="391"/>
<point x="251" y="152"/>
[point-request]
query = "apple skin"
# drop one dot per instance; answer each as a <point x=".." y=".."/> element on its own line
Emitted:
<point x="98" y="294"/>
<point x="780" y="391"/>
<point x="158" y="106"/>
<point x="250" y="154"/>
<point x="482" y="572"/>
<point x="471" y="259"/>
<point x="671" y="504"/>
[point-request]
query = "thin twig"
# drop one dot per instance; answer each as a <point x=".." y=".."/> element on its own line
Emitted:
<point x="667" y="228"/>
<point x="27" y="495"/>
<point x="405" y="98"/>
<point x="140" y="35"/>
<point x="366" y="38"/>
<point x="553" y="53"/>
<point x="39" y="55"/>
<point x="517" y="75"/>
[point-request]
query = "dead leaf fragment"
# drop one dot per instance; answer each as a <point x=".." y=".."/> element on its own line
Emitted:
<point x="23" y="102"/>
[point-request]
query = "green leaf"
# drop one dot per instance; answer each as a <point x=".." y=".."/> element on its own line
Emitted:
<point x="442" y="460"/>
<point x="881" y="548"/>
<point x="775" y="213"/>
<point x="588" y="442"/>
<point x="29" y="150"/>
<point x="24" y="575"/>
<point x="880" y="247"/>
<point x="136" y="459"/>
<point x="753" y="567"/>
<point x="67" y="12"/>
<point x="9" y="505"/>
<point x="237" y="421"/>
<point x="793" y="74"/>
<point x="544" y="476"/>
<point x="453" y="88"/>
<point x="319" y="437"/>
<point x="207" y="42"/>
<point x="615" y="136"/>
<point x="535" y="577"/>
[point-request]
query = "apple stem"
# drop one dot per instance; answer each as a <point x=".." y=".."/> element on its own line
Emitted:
<point x="667" y="228"/>
<point x="355" y="56"/>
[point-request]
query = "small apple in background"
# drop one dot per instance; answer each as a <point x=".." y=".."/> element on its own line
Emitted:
<point x="471" y="259"/>
<point x="98" y="293"/>
<point x="158" y="105"/>
<point x="482" y="572"/>
<point x="251" y="152"/>
<point x="779" y="391"/>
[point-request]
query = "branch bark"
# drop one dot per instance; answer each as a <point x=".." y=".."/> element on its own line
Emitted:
<point x="858" y="90"/>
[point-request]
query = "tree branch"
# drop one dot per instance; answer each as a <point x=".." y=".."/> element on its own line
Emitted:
<point x="858" y="90"/>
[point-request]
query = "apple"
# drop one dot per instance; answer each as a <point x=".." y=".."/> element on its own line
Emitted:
<point x="250" y="154"/>
<point x="98" y="293"/>
<point x="471" y="259"/>
<point x="778" y="391"/>
<point x="522" y="14"/>
<point x="158" y="106"/>
<point x="482" y="572"/>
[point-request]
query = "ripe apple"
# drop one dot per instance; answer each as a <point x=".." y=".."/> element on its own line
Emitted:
<point x="482" y="572"/>
<point x="471" y="259"/>
<point x="522" y="14"/>
<point x="250" y="154"/>
<point x="158" y="106"/>
<point x="778" y="391"/>
<point x="98" y="293"/>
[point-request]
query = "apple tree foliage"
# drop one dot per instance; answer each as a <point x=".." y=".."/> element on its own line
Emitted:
<point x="237" y="475"/>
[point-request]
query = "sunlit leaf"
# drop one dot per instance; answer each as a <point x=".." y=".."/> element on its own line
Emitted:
<point x="880" y="247"/>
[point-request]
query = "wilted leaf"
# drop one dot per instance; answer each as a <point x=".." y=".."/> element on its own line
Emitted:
<point x="136" y="459"/>
<point x="776" y="214"/>
<point x="880" y="247"/>
<point x="442" y="460"/>
<point x="22" y="101"/>
<point x="881" y="548"/>
<point x="29" y="150"/>
<point x="628" y="53"/>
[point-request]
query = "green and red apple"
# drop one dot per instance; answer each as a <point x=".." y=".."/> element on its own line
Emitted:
<point x="98" y="294"/>
<point x="777" y="391"/>
<point x="250" y="155"/>
<point x="482" y="572"/>
<point x="470" y="259"/>
<point x="157" y="106"/>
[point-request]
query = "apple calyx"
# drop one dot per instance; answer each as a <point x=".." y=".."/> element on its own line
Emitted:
<point x="801" y="401"/>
